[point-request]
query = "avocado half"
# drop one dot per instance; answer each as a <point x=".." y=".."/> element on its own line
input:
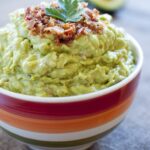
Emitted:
<point x="108" y="5"/>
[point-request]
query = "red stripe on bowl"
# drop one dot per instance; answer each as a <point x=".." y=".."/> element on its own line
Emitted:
<point x="70" y="109"/>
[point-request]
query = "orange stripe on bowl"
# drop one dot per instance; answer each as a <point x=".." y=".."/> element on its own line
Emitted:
<point x="61" y="126"/>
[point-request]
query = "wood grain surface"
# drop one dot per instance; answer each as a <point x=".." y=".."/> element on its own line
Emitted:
<point x="134" y="132"/>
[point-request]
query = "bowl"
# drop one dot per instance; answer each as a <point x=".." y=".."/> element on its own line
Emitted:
<point x="69" y="123"/>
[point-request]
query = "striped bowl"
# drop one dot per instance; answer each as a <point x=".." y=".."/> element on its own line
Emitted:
<point x="68" y="123"/>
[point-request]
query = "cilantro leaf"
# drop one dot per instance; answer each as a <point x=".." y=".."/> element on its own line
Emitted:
<point x="68" y="11"/>
<point x="56" y="13"/>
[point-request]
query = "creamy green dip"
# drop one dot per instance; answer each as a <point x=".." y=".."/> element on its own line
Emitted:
<point x="38" y="66"/>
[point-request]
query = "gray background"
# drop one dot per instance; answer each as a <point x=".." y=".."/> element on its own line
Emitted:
<point x="134" y="132"/>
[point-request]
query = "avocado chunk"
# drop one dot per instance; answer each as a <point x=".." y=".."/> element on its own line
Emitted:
<point x="108" y="5"/>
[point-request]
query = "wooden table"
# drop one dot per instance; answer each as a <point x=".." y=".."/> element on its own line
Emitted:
<point x="134" y="132"/>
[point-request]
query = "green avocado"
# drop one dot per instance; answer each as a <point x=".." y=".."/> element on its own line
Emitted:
<point x="108" y="5"/>
<point x="38" y="66"/>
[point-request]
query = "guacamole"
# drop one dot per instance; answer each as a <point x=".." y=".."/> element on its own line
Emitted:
<point x="39" y="64"/>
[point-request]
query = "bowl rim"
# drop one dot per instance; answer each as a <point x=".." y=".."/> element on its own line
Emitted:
<point x="88" y="96"/>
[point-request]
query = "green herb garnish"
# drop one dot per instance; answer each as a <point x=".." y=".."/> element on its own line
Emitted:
<point x="68" y="11"/>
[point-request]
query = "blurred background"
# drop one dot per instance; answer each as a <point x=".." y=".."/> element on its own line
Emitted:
<point x="134" y="132"/>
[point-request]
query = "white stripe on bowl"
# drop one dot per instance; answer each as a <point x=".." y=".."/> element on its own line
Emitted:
<point x="80" y="147"/>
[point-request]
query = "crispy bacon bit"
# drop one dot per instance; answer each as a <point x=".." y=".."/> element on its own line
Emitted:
<point x="54" y="30"/>
<point x="41" y="24"/>
<point x="54" y="4"/>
